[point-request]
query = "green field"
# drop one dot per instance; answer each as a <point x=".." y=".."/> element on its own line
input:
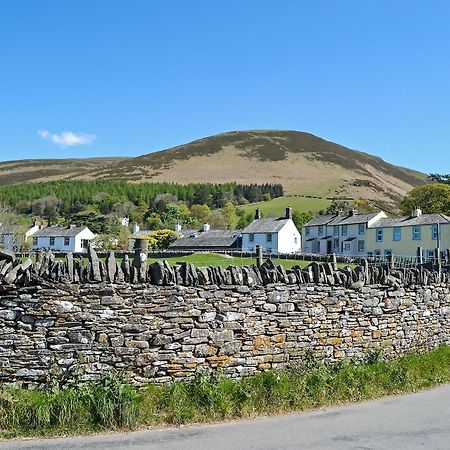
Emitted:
<point x="213" y="259"/>
<point x="276" y="207"/>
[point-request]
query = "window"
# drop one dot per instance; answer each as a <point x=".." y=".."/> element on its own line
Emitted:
<point x="347" y="247"/>
<point x="370" y="254"/>
<point x="377" y="253"/>
<point x="434" y="232"/>
<point x="397" y="234"/>
<point x="361" y="228"/>
<point x="430" y="255"/>
<point x="251" y="237"/>
<point x="35" y="241"/>
<point x="379" y="235"/>
<point x="52" y="241"/>
<point x="417" y="233"/>
<point x="336" y="243"/>
<point x="66" y="241"/>
<point x="336" y="230"/>
<point x="344" y="230"/>
<point x="360" y="246"/>
<point x="320" y="230"/>
<point x="387" y="253"/>
<point x="84" y="243"/>
<point x="307" y="231"/>
<point x="269" y="237"/>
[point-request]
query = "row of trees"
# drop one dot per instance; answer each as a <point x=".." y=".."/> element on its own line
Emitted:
<point x="110" y="196"/>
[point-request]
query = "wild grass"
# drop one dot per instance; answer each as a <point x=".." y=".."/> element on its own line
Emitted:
<point x="113" y="404"/>
<point x="276" y="207"/>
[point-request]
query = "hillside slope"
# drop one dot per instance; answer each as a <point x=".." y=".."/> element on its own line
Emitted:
<point x="36" y="170"/>
<point x="302" y="162"/>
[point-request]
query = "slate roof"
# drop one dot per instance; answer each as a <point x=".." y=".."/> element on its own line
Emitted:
<point x="142" y="234"/>
<point x="321" y="220"/>
<point x="207" y="239"/>
<point x="357" y="218"/>
<point x="334" y="219"/>
<point x="407" y="221"/>
<point x="12" y="229"/>
<point x="269" y="225"/>
<point x="58" y="231"/>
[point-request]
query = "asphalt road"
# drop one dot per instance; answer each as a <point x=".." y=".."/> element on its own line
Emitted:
<point x="416" y="421"/>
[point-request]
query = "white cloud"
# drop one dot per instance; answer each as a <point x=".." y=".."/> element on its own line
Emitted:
<point x="67" y="138"/>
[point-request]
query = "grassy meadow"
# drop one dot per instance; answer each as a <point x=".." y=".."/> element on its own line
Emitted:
<point x="276" y="207"/>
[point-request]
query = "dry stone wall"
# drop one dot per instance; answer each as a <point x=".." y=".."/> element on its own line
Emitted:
<point x="61" y="320"/>
<point x="52" y="332"/>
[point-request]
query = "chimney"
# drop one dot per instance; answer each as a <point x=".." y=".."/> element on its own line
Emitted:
<point x="353" y="212"/>
<point x="206" y="227"/>
<point x="257" y="214"/>
<point x="288" y="213"/>
<point x="417" y="212"/>
<point x="135" y="228"/>
<point x="177" y="227"/>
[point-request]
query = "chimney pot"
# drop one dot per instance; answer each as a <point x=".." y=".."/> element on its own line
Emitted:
<point x="288" y="213"/>
<point x="257" y="214"/>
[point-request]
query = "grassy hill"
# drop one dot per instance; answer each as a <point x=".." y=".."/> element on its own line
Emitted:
<point x="303" y="163"/>
<point x="36" y="170"/>
<point x="277" y="206"/>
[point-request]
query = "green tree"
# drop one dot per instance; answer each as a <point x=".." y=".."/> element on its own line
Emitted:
<point x="229" y="212"/>
<point x="337" y="206"/>
<point x="153" y="221"/>
<point x="431" y="198"/>
<point x="161" y="239"/>
<point x="201" y="213"/>
<point x="301" y="218"/>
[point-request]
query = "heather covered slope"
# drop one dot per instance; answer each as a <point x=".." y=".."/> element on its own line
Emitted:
<point x="41" y="170"/>
<point x="302" y="162"/>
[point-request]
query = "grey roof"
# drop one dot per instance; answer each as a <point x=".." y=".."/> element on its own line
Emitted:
<point x="311" y="239"/>
<point x="12" y="229"/>
<point x="325" y="238"/>
<point x="207" y="239"/>
<point x="350" y="239"/>
<point x="58" y="231"/>
<point x="142" y="234"/>
<point x="269" y="225"/>
<point x="406" y="221"/>
<point x="335" y="219"/>
<point x="321" y="220"/>
<point x="357" y="218"/>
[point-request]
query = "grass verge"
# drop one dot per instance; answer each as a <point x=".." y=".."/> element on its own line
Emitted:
<point x="113" y="404"/>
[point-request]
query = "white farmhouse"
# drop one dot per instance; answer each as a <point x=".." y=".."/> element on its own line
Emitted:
<point x="59" y="239"/>
<point x="274" y="235"/>
<point x="12" y="237"/>
<point x="343" y="235"/>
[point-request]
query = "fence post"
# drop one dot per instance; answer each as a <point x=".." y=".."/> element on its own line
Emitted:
<point x="259" y="256"/>
<point x="419" y="255"/>
<point x="334" y="261"/>
<point x="391" y="260"/>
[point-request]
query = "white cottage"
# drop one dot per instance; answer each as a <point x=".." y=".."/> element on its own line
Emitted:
<point x="59" y="239"/>
<point x="12" y="237"/>
<point x="274" y="235"/>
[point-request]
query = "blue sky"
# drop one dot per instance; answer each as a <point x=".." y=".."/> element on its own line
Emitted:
<point x="135" y="76"/>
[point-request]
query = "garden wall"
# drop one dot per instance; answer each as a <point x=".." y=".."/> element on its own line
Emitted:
<point x="54" y="331"/>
